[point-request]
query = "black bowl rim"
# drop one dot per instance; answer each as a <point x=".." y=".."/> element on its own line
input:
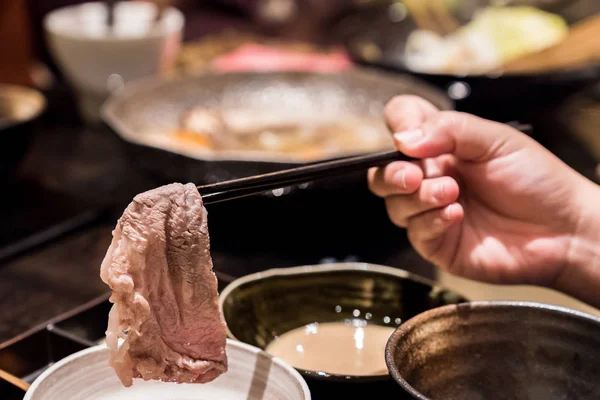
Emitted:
<point x="587" y="71"/>
<point x="152" y="83"/>
<point x="330" y="267"/>
<point x="16" y="92"/>
<point x="392" y="343"/>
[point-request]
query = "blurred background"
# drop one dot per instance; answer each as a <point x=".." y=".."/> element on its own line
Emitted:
<point x="100" y="101"/>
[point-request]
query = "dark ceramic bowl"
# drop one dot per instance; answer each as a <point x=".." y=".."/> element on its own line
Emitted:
<point x="497" y="350"/>
<point x="262" y="306"/>
<point x="375" y="35"/>
<point x="20" y="107"/>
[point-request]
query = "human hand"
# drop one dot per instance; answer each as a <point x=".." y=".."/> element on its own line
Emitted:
<point x="486" y="201"/>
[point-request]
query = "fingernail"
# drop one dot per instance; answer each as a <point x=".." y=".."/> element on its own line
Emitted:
<point x="439" y="191"/>
<point x="409" y="137"/>
<point x="449" y="212"/>
<point x="399" y="179"/>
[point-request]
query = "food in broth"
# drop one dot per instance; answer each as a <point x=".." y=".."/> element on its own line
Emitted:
<point x="245" y="130"/>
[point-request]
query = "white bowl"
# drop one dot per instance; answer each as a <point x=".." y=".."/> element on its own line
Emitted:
<point x="98" y="61"/>
<point x="252" y="374"/>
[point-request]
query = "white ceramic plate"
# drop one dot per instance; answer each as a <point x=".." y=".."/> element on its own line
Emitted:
<point x="252" y="375"/>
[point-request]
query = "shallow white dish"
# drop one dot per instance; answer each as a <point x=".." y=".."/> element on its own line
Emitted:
<point x="252" y="375"/>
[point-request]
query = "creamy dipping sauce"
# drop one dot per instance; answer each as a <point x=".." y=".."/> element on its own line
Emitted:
<point x="343" y="348"/>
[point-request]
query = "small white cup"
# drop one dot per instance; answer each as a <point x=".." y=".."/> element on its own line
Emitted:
<point x="98" y="61"/>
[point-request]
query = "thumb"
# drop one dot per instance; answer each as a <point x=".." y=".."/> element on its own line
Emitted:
<point x="467" y="137"/>
<point x="408" y="112"/>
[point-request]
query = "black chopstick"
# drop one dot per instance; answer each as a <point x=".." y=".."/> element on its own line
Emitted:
<point x="236" y="188"/>
<point x="110" y="13"/>
<point x="243" y="187"/>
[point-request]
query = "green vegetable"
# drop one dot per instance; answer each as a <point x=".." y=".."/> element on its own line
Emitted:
<point x="517" y="31"/>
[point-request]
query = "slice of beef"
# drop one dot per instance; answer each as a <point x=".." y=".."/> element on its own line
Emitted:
<point x="165" y="323"/>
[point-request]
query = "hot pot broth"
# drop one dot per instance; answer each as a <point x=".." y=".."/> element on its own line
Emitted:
<point x="246" y="130"/>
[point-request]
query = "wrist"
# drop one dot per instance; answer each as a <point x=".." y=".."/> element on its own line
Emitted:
<point x="580" y="277"/>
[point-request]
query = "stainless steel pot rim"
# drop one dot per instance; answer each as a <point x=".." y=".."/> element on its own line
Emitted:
<point x="149" y="85"/>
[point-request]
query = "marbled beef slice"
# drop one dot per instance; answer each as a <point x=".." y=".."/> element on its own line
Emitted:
<point x="165" y="323"/>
